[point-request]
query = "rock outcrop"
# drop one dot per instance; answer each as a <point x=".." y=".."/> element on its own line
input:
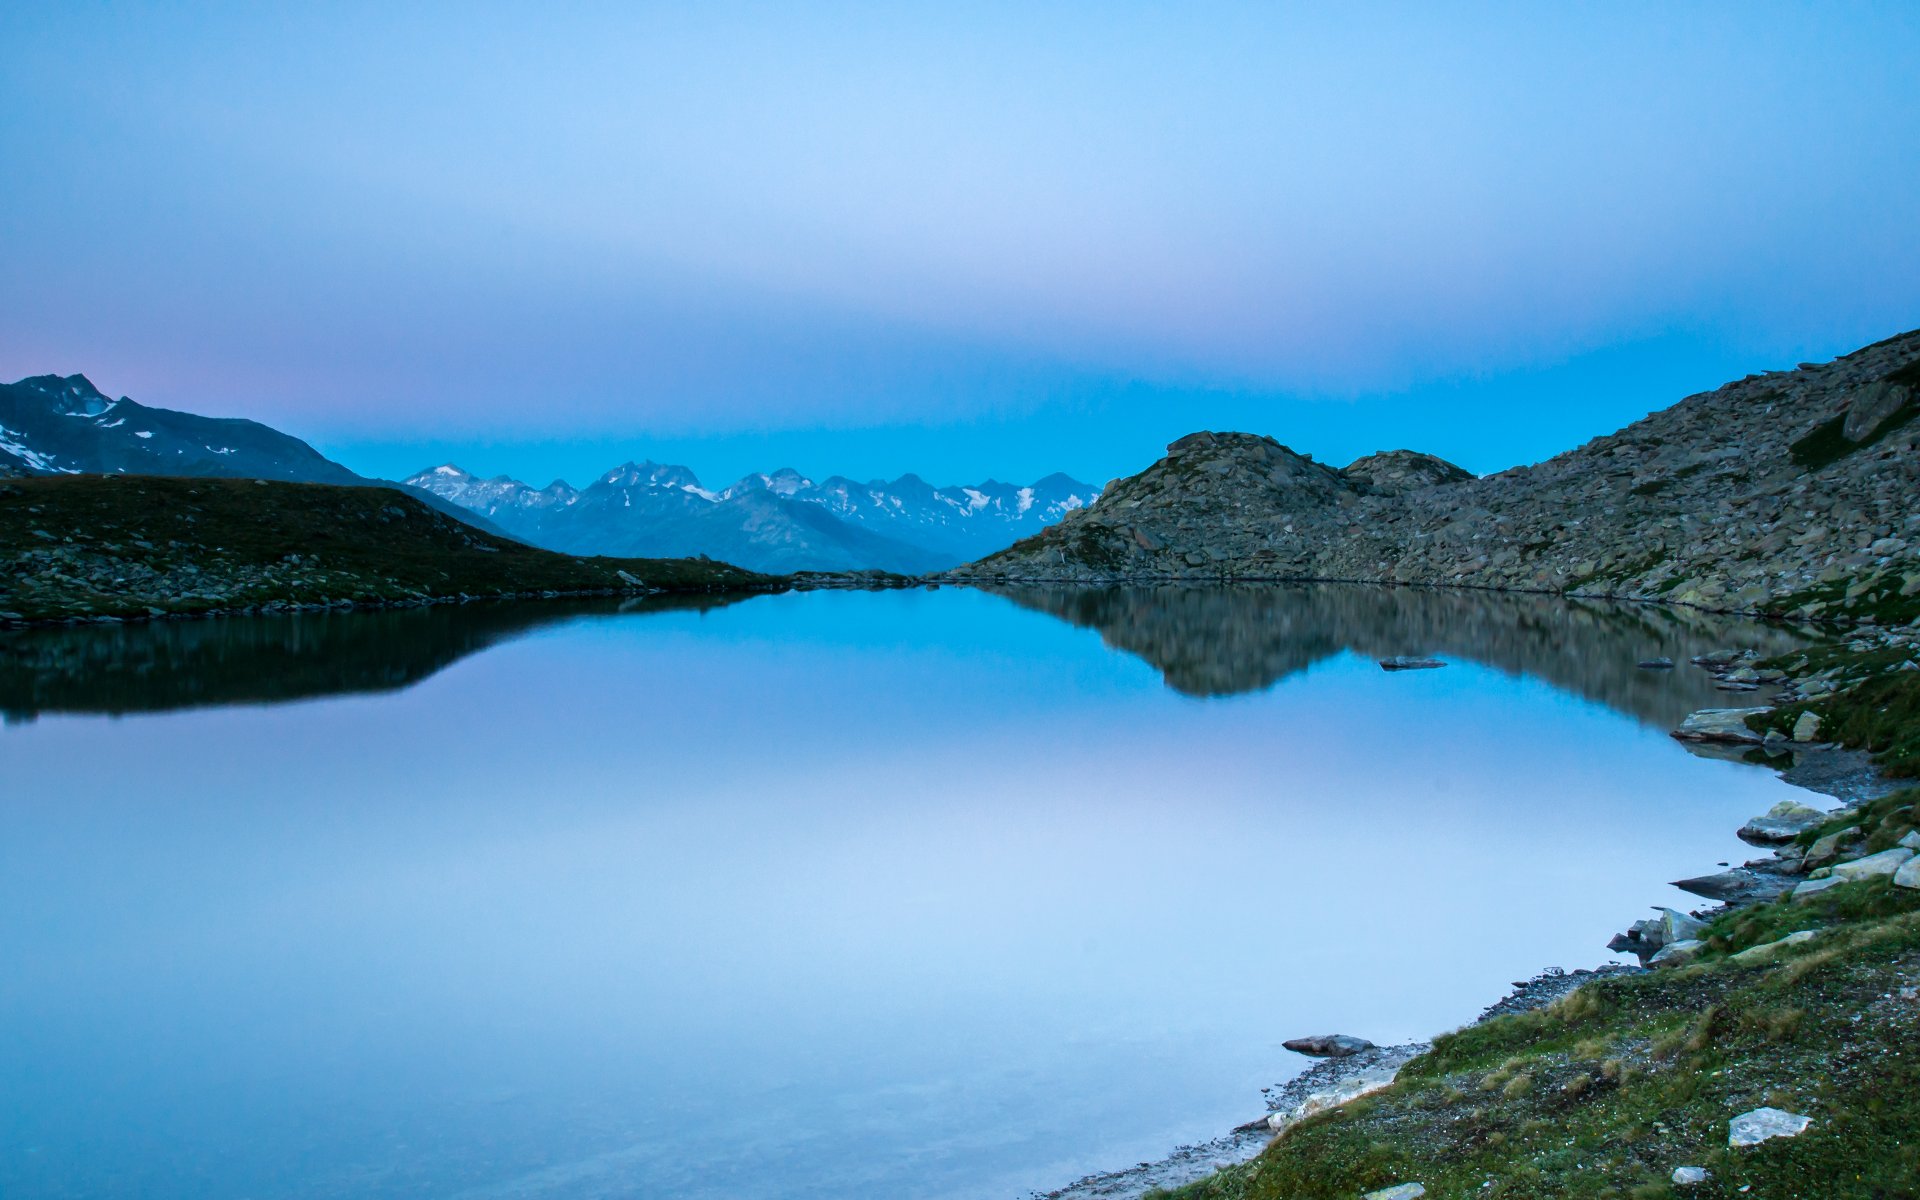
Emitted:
<point x="1787" y="492"/>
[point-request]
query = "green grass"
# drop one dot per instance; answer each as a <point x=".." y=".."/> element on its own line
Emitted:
<point x="1605" y="1092"/>
<point x="88" y="546"/>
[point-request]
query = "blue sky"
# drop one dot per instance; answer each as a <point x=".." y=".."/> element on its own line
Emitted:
<point x="964" y="240"/>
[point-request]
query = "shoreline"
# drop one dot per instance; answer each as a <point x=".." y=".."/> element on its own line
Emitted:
<point x="1845" y="775"/>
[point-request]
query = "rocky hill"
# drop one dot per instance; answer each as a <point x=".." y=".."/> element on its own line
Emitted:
<point x="76" y="547"/>
<point x="1790" y="492"/>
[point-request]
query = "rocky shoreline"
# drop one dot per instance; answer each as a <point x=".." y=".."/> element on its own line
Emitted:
<point x="1670" y="940"/>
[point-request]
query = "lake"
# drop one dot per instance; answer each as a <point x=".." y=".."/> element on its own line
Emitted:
<point x="914" y="894"/>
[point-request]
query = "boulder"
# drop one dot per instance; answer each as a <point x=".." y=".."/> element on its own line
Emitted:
<point x="1764" y="1124"/>
<point x="1887" y="862"/>
<point x="1737" y="886"/>
<point x="1402" y="662"/>
<point x="1910" y="839"/>
<point x="1677" y="926"/>
<point x="1908" y="876"/>
<point x="1813" y="887"/>
<point x="1677" y="954"/>
<point x="1826" y="849"/>
<point x="1656" y="664"/>
<point x="1399" y="1191"/>
<point x="1807" y="728"/>
<point x="1720" y="725"/>
<point x="1768" y="952"/>
<point x="1328" y="1045"/>
<point x="1688" y="1176"/>
<point x="1784" y="822"/>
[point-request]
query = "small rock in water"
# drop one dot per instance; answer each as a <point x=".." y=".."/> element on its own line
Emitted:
<point x="1656" y="664"/>
<point x="1784" y="822"/>
<point x="1688" y="1176"/>
<point x="1403" y="662"/>
<point x="1752" y="1128"/>
<point x="1399" y="1191"/>
<point x="1328" y="1045"/>
<point x="1719" y="725"/>
<point x="1737" y="884"/>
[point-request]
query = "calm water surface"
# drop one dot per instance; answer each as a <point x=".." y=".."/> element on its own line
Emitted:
<point x="909" y="894"/>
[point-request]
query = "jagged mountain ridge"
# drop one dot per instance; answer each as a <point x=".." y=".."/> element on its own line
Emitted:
<point x="1788" y="491"/>
<point x="778" y="521"/>
<point x="64" y="425"/>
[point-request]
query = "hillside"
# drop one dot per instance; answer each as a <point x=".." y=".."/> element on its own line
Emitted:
<point x="1789" y="492"/>
<point x="87" y="546"/>
<point x="64" y="425"/>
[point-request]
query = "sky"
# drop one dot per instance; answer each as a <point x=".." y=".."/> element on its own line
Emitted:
<point x="964" y="240"/>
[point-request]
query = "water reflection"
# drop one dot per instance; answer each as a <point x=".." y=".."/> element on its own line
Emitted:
<point x="162" y="665"/>
<point x="1205" y="641"/>
<point x="1217" y="641"/>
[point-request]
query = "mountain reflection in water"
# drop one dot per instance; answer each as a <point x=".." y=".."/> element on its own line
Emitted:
<point x="1218" y="641"/>
<point x="1205" y="641"/>
<point x="162" y="665"/>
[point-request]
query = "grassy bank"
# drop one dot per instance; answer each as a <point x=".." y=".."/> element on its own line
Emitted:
<point x="89" y="546"/>
<point x="1607" y="1091"/>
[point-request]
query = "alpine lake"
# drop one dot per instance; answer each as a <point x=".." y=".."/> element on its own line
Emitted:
<point x="936" y="894"/>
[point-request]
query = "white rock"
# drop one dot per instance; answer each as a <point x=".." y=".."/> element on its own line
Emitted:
<point x="1754" y="956"/>
<point x="1887" y="862"/>
<point x="1688" y="1176"/>
<point x="1399" y="1191"/>
<point x="1911" y="839"/>
<point x="1719" y="725"/>
<point x="1807" y="728"/>
<point x="1752" y="1128"/>
<point x="1909" y="875"/>
<point x="1813" y="887"/>
<point x="1677" y="954"/>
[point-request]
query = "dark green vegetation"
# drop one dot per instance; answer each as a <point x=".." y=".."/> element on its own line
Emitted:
<point x="83" y="546"/>
<point x="1606" y="1091"/>
<point x="1877" y="708"/>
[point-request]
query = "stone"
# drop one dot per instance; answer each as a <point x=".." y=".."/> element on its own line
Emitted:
<point x="1720" y="725"/>
<point x="1401" y="662"/>
<point x="1887" y="862"/>
<point x="1909" y="875"/>
<point x="1783" y="822"/>
<point x="1826" y="849"/>
<point x="1677" y="954"/>
<point x="1399" y="1191"/>
<point x="1813" y="887"/>
<point x="1738" y="885"/>
<point x="1676" y="926"/>
<point x="1656" y="664"/>
<point x="1764" y="1124"/>
<point x="1807" y="728"/>
<point x="1328" y="1045"/>
<point x="1910" y="839"/>
<point x="1769" y="952"/>
<point x="1688" y="1176"/>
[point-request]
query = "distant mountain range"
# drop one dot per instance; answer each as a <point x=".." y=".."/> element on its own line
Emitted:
<point x="781" y="521"/>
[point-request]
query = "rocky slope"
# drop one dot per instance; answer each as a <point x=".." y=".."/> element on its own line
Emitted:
<point x="781" y="521"/>
<point x="76" y="547"/>
<point x="1790" y="492"/>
